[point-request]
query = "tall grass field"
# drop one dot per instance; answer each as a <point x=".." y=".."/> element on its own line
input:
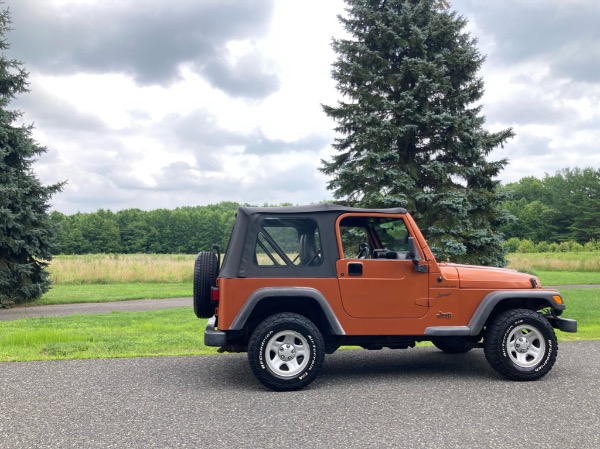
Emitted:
<point x="585" y="261"/>
<point x="122" y="268"/>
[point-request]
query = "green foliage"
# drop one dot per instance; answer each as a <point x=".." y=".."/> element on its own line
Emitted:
<point x="515" y="245"/>
<point x="560" y="207"/>
<point x="26" y="232"/>
<point x="83" y="293"/>
<point x="526" y="246"/>
<point x="132" y="334"/>
<point x="410" y="126"/>
<point x="185" y="230"/>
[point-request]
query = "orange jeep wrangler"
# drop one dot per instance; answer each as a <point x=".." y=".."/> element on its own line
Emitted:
<point x="297" y="283"/>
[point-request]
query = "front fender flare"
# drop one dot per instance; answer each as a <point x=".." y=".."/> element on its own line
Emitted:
<point x="488" y="304"/>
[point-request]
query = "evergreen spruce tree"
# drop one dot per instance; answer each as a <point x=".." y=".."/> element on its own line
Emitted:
<point x="410" y="131"/>
<point x="26" y="232"/>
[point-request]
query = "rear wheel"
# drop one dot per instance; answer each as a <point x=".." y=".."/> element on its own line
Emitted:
<point x="205" y="277"/>
<point x="521" y="345"/>
<point x="286" y="352"/>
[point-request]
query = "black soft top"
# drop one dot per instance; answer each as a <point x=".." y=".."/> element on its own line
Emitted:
<point x="315" y="209"/>
<point x="238" y="258"/>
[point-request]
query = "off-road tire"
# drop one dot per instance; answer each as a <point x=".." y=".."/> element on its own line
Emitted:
<point x="286" y="352"/>
<point x="520" y="344"/>
<point x="452" y="345"/>
<point x="206" y="269"/>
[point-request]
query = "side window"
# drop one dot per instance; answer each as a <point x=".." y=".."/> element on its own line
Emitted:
<point x="392" y="234"/>
<point x="288" y="242"/>
<point x="353" y="239"/>
<point x="373" y="238"/>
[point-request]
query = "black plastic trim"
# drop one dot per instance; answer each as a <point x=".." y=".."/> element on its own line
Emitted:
<point x="448" y="331"/>
<point x="488" y="303"/>
<point x="214" y="337"/>
<point x="563" y="324"/>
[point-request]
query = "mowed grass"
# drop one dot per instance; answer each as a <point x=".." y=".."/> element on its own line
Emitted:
<point x="82" y="293"/>
<point x="583" y="305"/>
<point x="135" y="334"/>
<point x="550" y="278"/>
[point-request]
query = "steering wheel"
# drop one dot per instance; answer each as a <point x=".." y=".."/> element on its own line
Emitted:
<point x="363" y="250"/>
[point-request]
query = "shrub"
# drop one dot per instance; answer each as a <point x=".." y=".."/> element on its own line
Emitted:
<point x="526" y="246"/>
<point x="543" y="247"/>
<point x="512" y="244"/>
<point x="554" y="247"/>
<point x="564" y="247"/>
<point x="592" y="245"/>
<point x="575" y="247"/>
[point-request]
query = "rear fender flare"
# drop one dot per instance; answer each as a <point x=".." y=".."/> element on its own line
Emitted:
<point x="296" y="292"/>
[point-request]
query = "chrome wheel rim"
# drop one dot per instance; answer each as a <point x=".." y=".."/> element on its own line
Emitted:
<point x="526" y="346"/>
<point x="287" y="353"/>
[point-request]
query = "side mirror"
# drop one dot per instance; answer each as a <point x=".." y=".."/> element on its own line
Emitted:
<point x="411" y="248"/>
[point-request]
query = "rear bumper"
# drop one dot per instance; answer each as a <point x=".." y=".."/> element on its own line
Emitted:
<point x="213" y="337"/>
<point x="563" y="324"/>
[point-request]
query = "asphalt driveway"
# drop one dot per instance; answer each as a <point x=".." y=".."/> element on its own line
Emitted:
<point x="416" y="398"/>
<point x="136" y="305"/>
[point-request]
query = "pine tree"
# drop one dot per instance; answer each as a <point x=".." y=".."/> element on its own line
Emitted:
<point x="26" y="232"/>
<point x="410" y="130"/>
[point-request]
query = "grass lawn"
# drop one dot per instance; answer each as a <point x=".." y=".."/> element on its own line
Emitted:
<point x="179" y="332"/>
<point x="134" y="334"/>
<point x="549" y="278"/>
<point x="583" y="304"/>
<point x="79" y="293"/>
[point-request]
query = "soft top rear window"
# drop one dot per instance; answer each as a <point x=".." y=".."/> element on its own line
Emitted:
<point x="286" y="242"/>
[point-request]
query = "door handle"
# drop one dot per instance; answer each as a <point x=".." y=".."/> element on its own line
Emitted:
<point x="355" y="269"/>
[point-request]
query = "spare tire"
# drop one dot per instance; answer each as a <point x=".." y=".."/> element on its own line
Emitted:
<point x="206" y="269"/>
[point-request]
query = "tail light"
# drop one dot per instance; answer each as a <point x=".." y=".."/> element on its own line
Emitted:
<point x="214" y="294"/>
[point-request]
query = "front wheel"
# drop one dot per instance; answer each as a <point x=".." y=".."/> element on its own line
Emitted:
<point x="521" y="345"/>
<point x="286" y="352"/>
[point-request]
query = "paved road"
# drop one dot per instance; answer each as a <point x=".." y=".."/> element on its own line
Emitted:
<point x="136" y="305"/>
<point x="417" y="398"/>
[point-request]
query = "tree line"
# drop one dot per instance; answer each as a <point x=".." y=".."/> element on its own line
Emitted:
<point x="185" y="230"/>
<point x="557" y="208"/>
<point x="560" y="208"/>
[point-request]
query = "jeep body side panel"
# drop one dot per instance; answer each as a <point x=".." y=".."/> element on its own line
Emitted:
<point x="238" y="291"/>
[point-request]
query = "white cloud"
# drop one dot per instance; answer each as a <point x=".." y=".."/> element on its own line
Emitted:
<point x="191" y="102"/>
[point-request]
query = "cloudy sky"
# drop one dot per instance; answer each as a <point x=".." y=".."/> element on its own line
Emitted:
<point x="151" y="104"/>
